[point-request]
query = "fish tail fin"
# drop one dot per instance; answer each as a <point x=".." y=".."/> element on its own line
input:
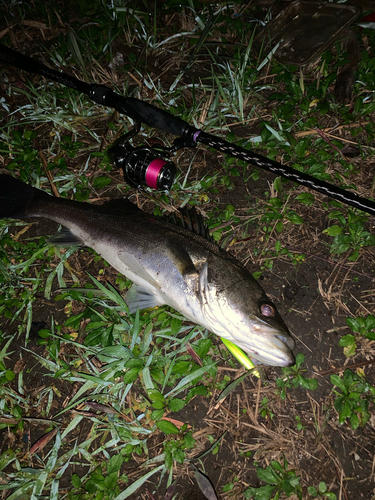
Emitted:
<point x="17" y="198"/>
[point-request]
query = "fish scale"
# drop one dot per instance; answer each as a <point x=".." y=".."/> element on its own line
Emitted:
<point x="168" y="264"/>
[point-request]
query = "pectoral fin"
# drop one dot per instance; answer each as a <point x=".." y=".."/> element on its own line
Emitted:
<point x="65" y="238"/>
<point x="139" y="297"/>
<point x="181" y="259"/>
<point x="135" y="266"/>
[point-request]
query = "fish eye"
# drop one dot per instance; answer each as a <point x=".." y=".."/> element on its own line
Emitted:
<point x="268" y="310"/>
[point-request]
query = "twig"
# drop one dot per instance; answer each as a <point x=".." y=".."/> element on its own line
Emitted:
<point x="257" y="401"/>
<point x="340" y="476"/>
<point x="340" y="369"/>
<point x="304" y="133"/>
<point x="325" y="138"/>
<point x="372" y="469"/>
<point x="342" y="139"/>
<point x="360" y="304"/>
<point x="43" y="159"/>
<point x="299" y="339"/>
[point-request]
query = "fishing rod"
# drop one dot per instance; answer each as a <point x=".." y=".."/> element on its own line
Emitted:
<point x="187" y="135"/>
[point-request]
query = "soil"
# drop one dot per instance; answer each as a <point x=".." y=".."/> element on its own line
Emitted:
<point x="314" y="297"/>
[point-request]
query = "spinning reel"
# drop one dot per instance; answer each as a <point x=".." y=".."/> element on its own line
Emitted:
<point x="146" y="165"/>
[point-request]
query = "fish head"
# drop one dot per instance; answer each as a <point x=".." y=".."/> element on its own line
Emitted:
<point x="236" y="307"/>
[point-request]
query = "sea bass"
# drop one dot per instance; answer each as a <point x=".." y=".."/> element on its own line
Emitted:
<point x="168" y="264"/>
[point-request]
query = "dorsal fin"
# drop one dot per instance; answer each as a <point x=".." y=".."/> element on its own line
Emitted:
<point x="190" y="219"/>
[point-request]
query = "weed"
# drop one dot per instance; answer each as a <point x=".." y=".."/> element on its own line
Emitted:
<point x="292" y="377"/>
<point x="276" y="212"/>
<point x="349" y="234"/>
<point x="300" y="426"/>
<point x="101" y="484"/>
<point x="278" y="480"/>
<point x="264" y="410"/>
<point x="230" y="486"/>
<point x="354" y="399"/>
<point x="213" y="441"/>
<point x="365" y="326"/>
<point x="175" y="449"/>
<point x="321" y="492"/>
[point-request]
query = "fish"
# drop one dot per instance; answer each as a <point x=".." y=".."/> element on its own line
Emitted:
<point x="168" y="265"/>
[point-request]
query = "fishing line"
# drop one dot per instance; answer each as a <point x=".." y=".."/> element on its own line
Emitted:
<point x="188" y="136"/>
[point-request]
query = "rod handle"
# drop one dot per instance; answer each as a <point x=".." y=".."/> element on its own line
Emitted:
<point x="139" y="110"/>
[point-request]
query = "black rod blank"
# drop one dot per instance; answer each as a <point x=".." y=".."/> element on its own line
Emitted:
<point x="163" y="120"/>
<point x="292" y="174"/>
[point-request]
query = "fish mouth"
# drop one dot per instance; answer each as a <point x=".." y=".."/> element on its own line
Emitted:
<point x="263" y="342"/>
<point x="269" y="348"/>
<point x="287" y="340"/>
<point x="282" y="361"/>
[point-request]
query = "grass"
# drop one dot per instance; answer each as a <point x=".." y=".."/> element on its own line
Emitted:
<point x="121" y="406"/>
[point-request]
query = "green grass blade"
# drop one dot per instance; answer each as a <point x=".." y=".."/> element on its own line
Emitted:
<point x="187" y="380"/>
<point x="39" y="485"/>
<point x="137" y="484"/>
